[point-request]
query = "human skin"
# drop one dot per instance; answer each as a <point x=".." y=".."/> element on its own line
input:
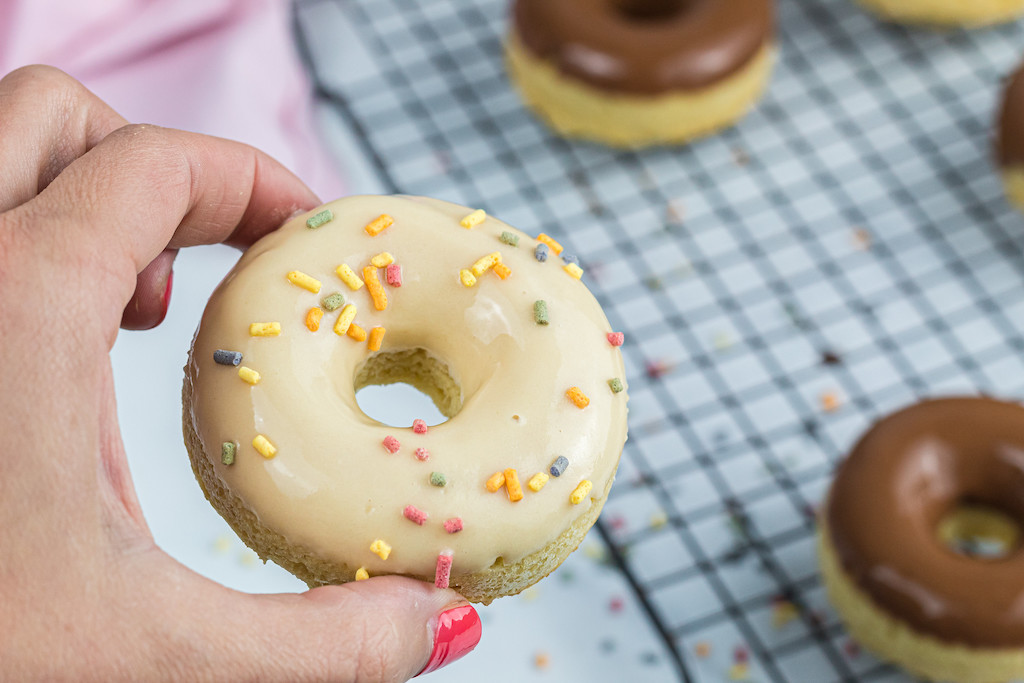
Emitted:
<point x="92" y="211"/>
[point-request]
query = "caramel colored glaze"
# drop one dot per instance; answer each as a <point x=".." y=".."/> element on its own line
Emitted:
<point x="1010" y="144"/>
<point x="904" y="475"/>
<point x="645" y="47"/>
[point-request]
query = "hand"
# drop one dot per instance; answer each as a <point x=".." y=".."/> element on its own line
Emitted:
<point x="92" y="212"/>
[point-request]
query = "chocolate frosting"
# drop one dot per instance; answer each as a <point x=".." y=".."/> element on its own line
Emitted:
<point x="645" y="46"/>
<point x="1010" y="144"/>
<point x="889" y="495"/>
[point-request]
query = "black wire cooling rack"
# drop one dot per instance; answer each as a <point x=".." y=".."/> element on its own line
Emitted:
<point x="843" y="251"/>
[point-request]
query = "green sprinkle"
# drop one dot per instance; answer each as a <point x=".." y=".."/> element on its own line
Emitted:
<point x="333" y="302"/>
<point x="615" y="384"/>
<point x="227" y="452"/>
<point x="318" y="219"/>
<point x="509" y="238"/>
<point x="438" y="479"/>
<point x="540" y="312"/>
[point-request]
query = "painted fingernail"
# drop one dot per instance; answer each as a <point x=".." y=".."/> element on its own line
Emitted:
<point x="457" y="632"/>
<point x="166" y="300"/>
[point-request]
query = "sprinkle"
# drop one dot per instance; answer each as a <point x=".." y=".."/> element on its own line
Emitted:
<point x="502" y="271"/>
<point x="393" y="275"/>
<point x="512" y="486"/>
<point x="576" y="395"/>
<point x="438" y="479"/>
<point x="318" y="219"/>
<point x="333" y="302"/>
<point x="264" y="329"/>
<point x="376" y="289"/>
<point x="830" y="402"/>
<point x="537" y="482"/>
<point x="784" y="612"/>
<point x="356" y="332"/>
<point x="467" y="278"/>
<point x="581" y="492"/>
<point x="657" y="369"/>
<point x="616" y="604"/>
<point x="485" y="263"/>
<point x="453" y="525"/>
<point x="249" y="375"/>
<point x="422" y="454"/>
<point x="496" y="481"/>
<point x="540" y="312"/>
<point x="222" y="357"/>
<point x="227" y="452"/>
<point x="313" y="318"/>
<point x="702" y="649"/>
<point x="382" y="260"/>
<point x="391" y="444"/>
<point x="739" y="672"/>
<point x="741" y="655"/>
<point x="540" y="252"/>
<point x="376" y="337"/>
<point x="348" y="276"/>
<point x="419" y="427"/>
<point x="300" y="279"/>
<point x="541" y="660"/>
<point x="571" y="258"/>
<point x="573" y="270"/>
<point x="474" y="219"/>
<point x="550" y="242"/>
<point x="509" y="238"/>
<point x="345" y="318"/>
<point x="379" y="225"/>
<point x="414" y="514"/>
<point x="616" y="338"/>
<point x="380" y="549"/>
<point x="442" y="574"/>
<point x="558" y="466"/>
<point x="615" y="384"/>
<point x="362" y="574"/>
<point x="263" y="445"/>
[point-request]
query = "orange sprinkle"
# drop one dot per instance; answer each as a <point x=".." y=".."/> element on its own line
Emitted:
<point x="576" y="395"/>
<point x="702" y="649"/>
<point x="376" y="337"/>
<point x="515" y="490"/>
<point x="313" y="318"/>
<point x="379" y="225"/>
<point x="496" y="481"/>
<point x="375" y="288"/>
<point x="552" y="243"/>
<point x="502" y="271"/>
<point x="830" y="402"/>
<point x="356" y="332"/>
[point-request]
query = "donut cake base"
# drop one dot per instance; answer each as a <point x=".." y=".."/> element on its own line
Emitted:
<point x="946" y="12"/>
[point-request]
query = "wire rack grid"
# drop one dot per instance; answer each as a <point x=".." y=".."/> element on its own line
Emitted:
<point x="843" y="251"/>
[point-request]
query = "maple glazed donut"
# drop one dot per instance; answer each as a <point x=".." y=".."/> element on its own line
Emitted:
<point x="495" y="326"/>
<point x="939" y="471"/>
<point x="631" y="73"/>
<point x="1010" y="138"/>
<point x="946" y="12"/>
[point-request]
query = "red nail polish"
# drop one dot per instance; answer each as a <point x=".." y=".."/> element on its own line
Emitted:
<point x="166" y="299"/>
<point x="456" y="634"/>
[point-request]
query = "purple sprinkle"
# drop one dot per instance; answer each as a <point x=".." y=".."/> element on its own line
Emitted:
<point x="227" y="357"/>
<point x="541" y="252"/>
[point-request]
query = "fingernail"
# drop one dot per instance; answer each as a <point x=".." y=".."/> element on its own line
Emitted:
<point x="457" y="632"/>
<point x="166" y="300"/>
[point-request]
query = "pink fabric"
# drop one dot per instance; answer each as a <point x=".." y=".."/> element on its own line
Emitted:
<point x="221" y="67"/>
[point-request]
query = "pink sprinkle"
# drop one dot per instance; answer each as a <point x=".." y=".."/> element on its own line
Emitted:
<point x="616" y="338"/>
<point x="391" y="444"/>
<point x="453" y="525"/>
<point x="741" y="655"/>
<point x="414" y="514"/>
<point x="422" y="454"/>
<point x="444" y="569"/>
<point x="393" y="275"/>
<point x="419" y="426"/>
<point x="616" y="604"/>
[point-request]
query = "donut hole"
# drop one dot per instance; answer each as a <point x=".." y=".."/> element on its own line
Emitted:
<point x="397" y="387"/>
<point x="649" y="10"/>
<point x="979" y="531"/>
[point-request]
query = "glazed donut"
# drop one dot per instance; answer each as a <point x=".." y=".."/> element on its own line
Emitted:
<point x="946" y="12"/>
<point x="494" y="325"/>
<point x="1010" y="138"/>
<point x="631" y="73"/>
<point x="885" y="540"/>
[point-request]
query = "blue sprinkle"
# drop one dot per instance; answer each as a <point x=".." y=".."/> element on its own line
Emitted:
<point x="227" y="357"/>
<point x="570" y="258"/>
<point x="559" y="465"/>
<point x="541" y="252"/>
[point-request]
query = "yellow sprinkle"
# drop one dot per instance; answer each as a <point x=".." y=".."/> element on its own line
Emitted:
<point x="573" y="270"/>
<point x="263" y="445"/>
<point x="739" y="672"/>
<point x="345" y="318"/>
<point x="376" y="337"/>
<point x="659" y="519"/>
<point x="382" y="259"/>
<point x="581" y="492"/>
<point x="356" y="332"/>
<point x="576" y="395"/>
<point x="538" y="481"/>
<point x="264" y="329"/>
<point x="502" y="271"/>
<point x="349" y="277"/>
<point x="783" y="613"/>
<point x="467" y="278"/>
<point x="379" y="225"/>
<point x="313" y="318"/>
<point x="515" y="491"/>
<point x="376" y="289"/>
<point x="222" y="544"/>
<point x="362" y="574"/>
<point x="485" y="263"/>
<point x="249" y="375"/>
<point x="300" y="279"/>
<point x="380" y="549"/>
<point x="496" y="481"/>
<point x="552" y="243"/>
<point x="474" y="219"/>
